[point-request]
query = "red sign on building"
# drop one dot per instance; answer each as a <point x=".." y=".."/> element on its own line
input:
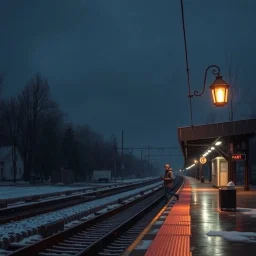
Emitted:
<point x="238" y="157"/>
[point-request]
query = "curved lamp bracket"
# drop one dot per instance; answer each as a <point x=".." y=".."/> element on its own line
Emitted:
<point x="215" y="72"/>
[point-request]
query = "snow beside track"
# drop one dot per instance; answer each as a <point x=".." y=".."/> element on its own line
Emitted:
<point x="18" y="227"/>
<point x="7" y="192"/>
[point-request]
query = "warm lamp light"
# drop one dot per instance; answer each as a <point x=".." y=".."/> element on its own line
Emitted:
<point x="219" y="90"/>
<point x="219" y="87"/>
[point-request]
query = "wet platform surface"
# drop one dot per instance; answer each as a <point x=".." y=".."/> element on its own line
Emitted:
<point x="206" y="217"/>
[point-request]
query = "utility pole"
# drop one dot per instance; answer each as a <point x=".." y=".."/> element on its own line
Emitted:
<point x="148" y="158"/>
<point x="148" y="148"/>
<point x="122" y="154"/>
<point x="115" y="161"/>
<point x="141" y="160"/>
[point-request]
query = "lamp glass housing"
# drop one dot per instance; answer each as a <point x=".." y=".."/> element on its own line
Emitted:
<point x="219" y="90"/>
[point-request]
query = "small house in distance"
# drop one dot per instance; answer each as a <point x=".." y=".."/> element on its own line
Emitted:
<point x="6" y="164"/>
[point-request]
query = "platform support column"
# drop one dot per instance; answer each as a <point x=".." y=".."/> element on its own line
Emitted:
<point x="201" y="170"/>
<point x="234" y="172"/>
<point x="210" y="171"/>
<point x="230" y="163"/>
<point x="246" y="167"/>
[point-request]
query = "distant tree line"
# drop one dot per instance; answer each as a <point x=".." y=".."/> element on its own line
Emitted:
<point x="33" y="123"/>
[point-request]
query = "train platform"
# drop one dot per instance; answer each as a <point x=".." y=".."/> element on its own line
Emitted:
<point x="194" y="225"/>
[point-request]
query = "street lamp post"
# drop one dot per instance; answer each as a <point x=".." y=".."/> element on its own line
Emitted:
<point x="219" y="88"/>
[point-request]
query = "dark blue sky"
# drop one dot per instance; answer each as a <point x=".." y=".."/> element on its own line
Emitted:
<point x="118" y="65"/>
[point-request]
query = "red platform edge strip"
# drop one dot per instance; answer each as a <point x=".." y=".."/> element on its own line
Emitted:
<point x="173" y="238"/>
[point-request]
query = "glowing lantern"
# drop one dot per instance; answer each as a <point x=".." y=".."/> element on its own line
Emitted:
<point x="219" y="90"/>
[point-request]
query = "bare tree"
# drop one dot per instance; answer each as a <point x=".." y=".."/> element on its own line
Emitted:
<point x="1" y="81"/>
<point x="233" y="71"/>
<point x="249" y="101"/>
<point x="113" y="141"/>
<point x="12" y="115"/>
<point x="49" y="135"/>
<point x="35" y="100"/>
<point x="1" y="78"/>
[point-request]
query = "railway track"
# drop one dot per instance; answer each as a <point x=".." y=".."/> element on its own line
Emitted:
<point x="15" y="201"/>
<point x="121" y="241"/>
<point x="107" y="234"/>
<point x="32" y="209"/>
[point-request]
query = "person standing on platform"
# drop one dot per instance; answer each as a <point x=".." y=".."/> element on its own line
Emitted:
<point x="168" y="183"/>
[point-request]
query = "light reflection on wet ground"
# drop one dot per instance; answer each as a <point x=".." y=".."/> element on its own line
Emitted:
<point x="205" y="217"/>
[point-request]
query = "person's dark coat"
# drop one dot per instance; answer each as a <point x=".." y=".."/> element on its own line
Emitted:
<point x="168" y="178"/>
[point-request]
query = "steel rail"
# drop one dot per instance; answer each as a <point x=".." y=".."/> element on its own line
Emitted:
<point x="88" y="237"/>
<point x="30" y="210"/>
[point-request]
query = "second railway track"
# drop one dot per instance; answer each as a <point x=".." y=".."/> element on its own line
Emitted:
<point x="106" y="234"/>
<point x="32" y="209"/>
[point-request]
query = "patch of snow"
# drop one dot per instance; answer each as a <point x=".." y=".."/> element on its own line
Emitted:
<point x="7" y="192"/>
<point x="12" y="192"/>
<point x="248" y="237"/>
<point x="143" y="245"/>
<point x="87" y="217"/>
<point x="4" y="252"/>
<point x="72" y="223"/>
<point x="101" y="211"/>
<point x="110" y="207"/>
<point x="247" y="211"/>
<point x="28" y="240"/>
<point x="35" y="222"/>
<point x="17" y="183"/>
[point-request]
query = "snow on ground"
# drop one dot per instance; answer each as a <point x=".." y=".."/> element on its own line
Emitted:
<point x="12" y="192"/>
<point x="25" y="242"/>
<point x="137" y="179"/>
<point x="22" y="191"/>
<point x="3" y="252"/>
<point x="17" y="183"/>
<point x="248" y="237"/>
<point x="111" y="182"/>
<point x="247" y="211"/>
<point x="235" y="236"/>
<point x="37" y="221"/>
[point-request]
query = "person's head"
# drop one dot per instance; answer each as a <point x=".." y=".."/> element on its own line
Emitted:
<point x="166" y="167"/>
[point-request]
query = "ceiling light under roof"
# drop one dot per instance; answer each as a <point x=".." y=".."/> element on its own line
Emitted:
<point x="212" y="148"/>
<point x="218" y="143"/>
<point x="190" y="166"/>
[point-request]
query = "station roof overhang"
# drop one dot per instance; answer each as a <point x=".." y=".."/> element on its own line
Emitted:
<point x="195" y="140"/>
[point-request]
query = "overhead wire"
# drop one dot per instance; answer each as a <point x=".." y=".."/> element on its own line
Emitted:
<point x="186" y="58"/>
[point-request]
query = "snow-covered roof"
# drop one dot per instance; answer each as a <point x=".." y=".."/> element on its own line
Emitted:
<point x="4" y="152"/>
